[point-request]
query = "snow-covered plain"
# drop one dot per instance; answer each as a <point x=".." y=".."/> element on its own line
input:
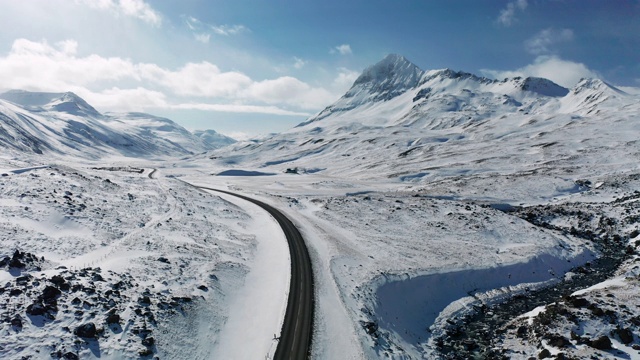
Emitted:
<point x="158" y="267"/>
<point x="398" y="189"/>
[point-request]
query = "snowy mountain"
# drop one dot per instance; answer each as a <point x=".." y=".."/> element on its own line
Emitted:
<point x="400" y="122"/>
<point x="64" y="123"/>
<point x="213" y="139"/>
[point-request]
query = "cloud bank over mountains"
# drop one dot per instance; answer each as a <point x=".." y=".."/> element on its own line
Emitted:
<point x="40" y="66"/>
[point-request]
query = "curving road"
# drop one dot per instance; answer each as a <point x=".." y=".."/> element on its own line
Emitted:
<point x="295" y="338"/>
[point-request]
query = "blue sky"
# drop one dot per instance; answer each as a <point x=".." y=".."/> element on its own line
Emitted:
<point x="249" y="67"/>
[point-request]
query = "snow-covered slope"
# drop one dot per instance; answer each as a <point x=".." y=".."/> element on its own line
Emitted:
<point x="65" y="124"/>
<point x="394" y="187"/>
<point x="146" y="266"/>
<point x="213" y="139"/>
<point x="402" y="123"/>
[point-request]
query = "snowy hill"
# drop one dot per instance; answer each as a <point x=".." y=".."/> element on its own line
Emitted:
<point x="403" y="123"/>
<point x="64" y="123"/>
<point x="213" y="139"/>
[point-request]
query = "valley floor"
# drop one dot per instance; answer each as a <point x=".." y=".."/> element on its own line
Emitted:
<point x="107" y="262"/>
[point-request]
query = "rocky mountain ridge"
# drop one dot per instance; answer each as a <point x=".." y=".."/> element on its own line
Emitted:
<point x="55" y="124"/>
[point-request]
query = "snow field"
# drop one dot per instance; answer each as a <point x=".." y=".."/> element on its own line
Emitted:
<point x="166" y="255"/>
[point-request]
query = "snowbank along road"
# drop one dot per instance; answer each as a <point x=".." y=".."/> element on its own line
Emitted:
<point x="295" y="338"/>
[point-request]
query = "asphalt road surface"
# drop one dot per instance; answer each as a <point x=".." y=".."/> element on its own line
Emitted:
<point x="295" y="338"/>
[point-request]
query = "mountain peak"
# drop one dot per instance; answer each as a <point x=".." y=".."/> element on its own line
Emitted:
<point x="540" y="86"/>
<point x="67" y="102"/>
<point x="387" y="79"/>
<point x="71" y="103"/>
<point x="213" y="139"/>
<point x="595" y="84"/>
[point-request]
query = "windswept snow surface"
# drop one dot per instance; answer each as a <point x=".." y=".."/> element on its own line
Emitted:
<point x="154" y="266"/>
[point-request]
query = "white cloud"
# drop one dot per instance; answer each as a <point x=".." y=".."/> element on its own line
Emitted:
<point x="192" y="23"/>
<point x="227" y="30"/>
<point x="202" y="31"/>
<point x="344" y="49"/>
<point x="196" y="79"/>
<point x="106" y="82"/>
<point x="116" y="99"/>
<point x="543" y="41"/>
<point x="38" y="65"/>
<point x="563" y="72"/>
<point x="238" y="108"/>
<point x="298" y="63"/>
<point x="134" y="8"/>
<point x="290" y="91"/>
<point x="202" y="37"/>
<point x="345" y="79"/>
<point x="508" y="15"/>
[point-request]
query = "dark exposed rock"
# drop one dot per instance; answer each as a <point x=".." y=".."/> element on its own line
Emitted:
<point x="16" y="260"/>
<point x="181" y="299"/>
<point x="87" y="330"/>
<point x="50" y="293"/>
<point x="65" y="287"/>
<point x="144" y="300"/>
<point x="596" y="310"/>
<point x="36" y="309"/>
<point x="544" y="354"/>
<point x="469" y="344"/>
<point x="558" y="341"/>
<point x="601" y="343"/>
<point x="370" y="327"/>
<point x="148" y="341"/>
<point x="16" y="322"/>
<point x="577" y="301"/>
<point x="625" y="335"/>
<point x="15" y="292"/>
<point x="57" y="280"/>
<point x="70" y="356"/>
<point x="23" y="280"/>
<point x="522" y="331"/>
<point x="113" y="319"/>
<point x="145" y="352"/>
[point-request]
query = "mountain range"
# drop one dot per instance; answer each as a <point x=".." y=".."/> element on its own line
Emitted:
<point x="65" y="124"/>
<point x="400" y="122"/>
<point x="397" y="121"/>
